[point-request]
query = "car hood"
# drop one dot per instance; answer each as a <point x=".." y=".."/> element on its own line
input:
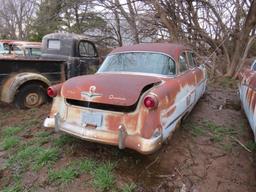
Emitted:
<point x="107" y="88"/>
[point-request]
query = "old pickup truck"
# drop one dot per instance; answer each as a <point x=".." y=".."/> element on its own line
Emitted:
<point x="136" y="99"/>
<point x="24" y="79"/>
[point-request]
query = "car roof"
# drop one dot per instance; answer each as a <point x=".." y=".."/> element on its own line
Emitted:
<point x="171" y="49"/>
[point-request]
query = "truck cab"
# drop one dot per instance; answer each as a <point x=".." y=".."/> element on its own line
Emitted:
<point x="24" y="80"/>
<point x="80" y="53"/>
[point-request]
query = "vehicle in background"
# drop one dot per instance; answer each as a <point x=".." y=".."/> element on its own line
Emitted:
<point x="26" y="49"/>
<point x="136" y="99"/>
<point x="247" y="90"/>
<point x="24" y="80"/>
<point x="13" y="48"/>
<point x="4" y="46"/>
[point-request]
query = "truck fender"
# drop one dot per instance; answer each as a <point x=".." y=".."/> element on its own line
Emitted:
<point x="13" y="83"/>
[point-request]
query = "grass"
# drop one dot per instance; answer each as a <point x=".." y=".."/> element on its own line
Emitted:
<point x="227" y="147"/>
<point x="30" y="155"/>
<point x="87" y="165"/>
<point x="102" y="174"/>
<point x="63" y="140"/>
<point x="34" y="156"/>
<point x="10" y="142"/>
<point x="43" y="137"/>
<point x="70" y="172"/>
<point x="218" y="132"/>
<point x="103" y="177"/>
<point x="42" y="134"/>
<point x="65" y="175"/>
<point x="10" y="131"/>
<point x="46" y="157"/>
<point x="197" y="130"/>
<point x="15" y="188"/>
<point x="23" y="158"/>
<point x="129" y="187"/>
<point x="15" y="185"/>
<point x="251" y="145"/>
<point x="227" y="82"/>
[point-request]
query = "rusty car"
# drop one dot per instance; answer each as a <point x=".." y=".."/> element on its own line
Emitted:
<point x="25" y="48"/>
<point x="135" y="100"/>
<point x="25" y="75"/>
<point x="247" y="91"/>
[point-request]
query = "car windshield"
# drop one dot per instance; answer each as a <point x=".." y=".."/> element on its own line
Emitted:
<point x="144" y="62"/>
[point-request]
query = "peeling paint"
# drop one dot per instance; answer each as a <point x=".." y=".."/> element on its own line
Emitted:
<point x="142" y="129"/>
<point x="247" y="90"/>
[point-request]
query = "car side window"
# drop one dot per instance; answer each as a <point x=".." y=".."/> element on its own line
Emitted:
<point x="172" y="67"/>
<point x="191" y="60"/>
<point x="86" y="49"/>
<point x="183" y="63"/>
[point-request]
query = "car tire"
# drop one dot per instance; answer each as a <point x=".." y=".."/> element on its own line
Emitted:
<point x="30" y="96"/>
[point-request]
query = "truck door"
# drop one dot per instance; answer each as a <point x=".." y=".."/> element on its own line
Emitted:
<point x="89" y="60"/>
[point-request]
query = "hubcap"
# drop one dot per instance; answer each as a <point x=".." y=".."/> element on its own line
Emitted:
<point x="32" y="99"/>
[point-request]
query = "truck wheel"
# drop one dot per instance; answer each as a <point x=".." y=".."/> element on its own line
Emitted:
<point x="30" y="96"/>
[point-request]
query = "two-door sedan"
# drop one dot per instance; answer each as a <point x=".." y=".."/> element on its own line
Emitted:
<point x="247" y="90"/>
<point x="135" y="100"/>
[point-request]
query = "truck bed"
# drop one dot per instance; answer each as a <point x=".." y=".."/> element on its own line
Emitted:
<point x="54" y="70"/>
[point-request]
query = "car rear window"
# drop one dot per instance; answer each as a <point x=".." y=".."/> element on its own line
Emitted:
<point x="145" y="62"/>
<point x="53" y="44"/>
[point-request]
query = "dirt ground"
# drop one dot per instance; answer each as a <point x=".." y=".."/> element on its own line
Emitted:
<point x="203" y="155"/>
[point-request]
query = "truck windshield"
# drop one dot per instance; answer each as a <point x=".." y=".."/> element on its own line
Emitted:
<point x="144" y="62"/>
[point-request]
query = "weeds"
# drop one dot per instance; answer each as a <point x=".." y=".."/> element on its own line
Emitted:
<point x="10" y="142"/>
<point x="227" y="82"/>
<point x="15" y="188"/>
<point x="197" y="130"/>
<point x="46" y="157"/>
<point x="87" y="165"/>
<point x="129" y="187"/>
<point x="65" y="175"/>
<point x="64" y="139"/>
<point x="42" y="134"/>
<point x="35" y="156"/>
<point x="23" y="158"/>
<point x="251" y="145"/>
<point x="218" y="132"/>
<point x="10" y="131"/>
<point x="103" y="177"/>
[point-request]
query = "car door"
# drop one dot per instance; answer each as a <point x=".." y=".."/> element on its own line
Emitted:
<point x="186" y="78"/>
<point x="89" y="60"/>
<point x="248" y="95"/>
<point x="199" y="75"/>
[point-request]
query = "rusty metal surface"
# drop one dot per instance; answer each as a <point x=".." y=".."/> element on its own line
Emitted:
<point x="116" y="89"/>
<point x="170" y="49"/>
<point x="141" y="129"/>
<point x="247" y="90"/>
<point x="12" y="84"/>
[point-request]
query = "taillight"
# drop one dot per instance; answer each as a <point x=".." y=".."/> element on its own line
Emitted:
<point x="54" y="90"/>
<point x="150" y="101"/>
<point x="51" y="92"/>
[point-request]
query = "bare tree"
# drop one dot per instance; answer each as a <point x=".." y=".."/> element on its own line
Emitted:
<point x="16" y="17"/>
<point x="221" y="26"/>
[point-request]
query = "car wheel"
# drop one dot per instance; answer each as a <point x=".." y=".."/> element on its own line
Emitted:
<point x="30" y="96"/>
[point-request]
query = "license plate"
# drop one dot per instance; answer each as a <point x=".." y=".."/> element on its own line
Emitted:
<point x="92" y="118"/>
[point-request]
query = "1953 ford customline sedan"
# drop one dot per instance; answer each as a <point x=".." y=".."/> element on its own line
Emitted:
<point x="135" y="100"/>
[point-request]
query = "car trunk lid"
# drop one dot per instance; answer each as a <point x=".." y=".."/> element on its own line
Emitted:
<point x="108" y="88"/>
